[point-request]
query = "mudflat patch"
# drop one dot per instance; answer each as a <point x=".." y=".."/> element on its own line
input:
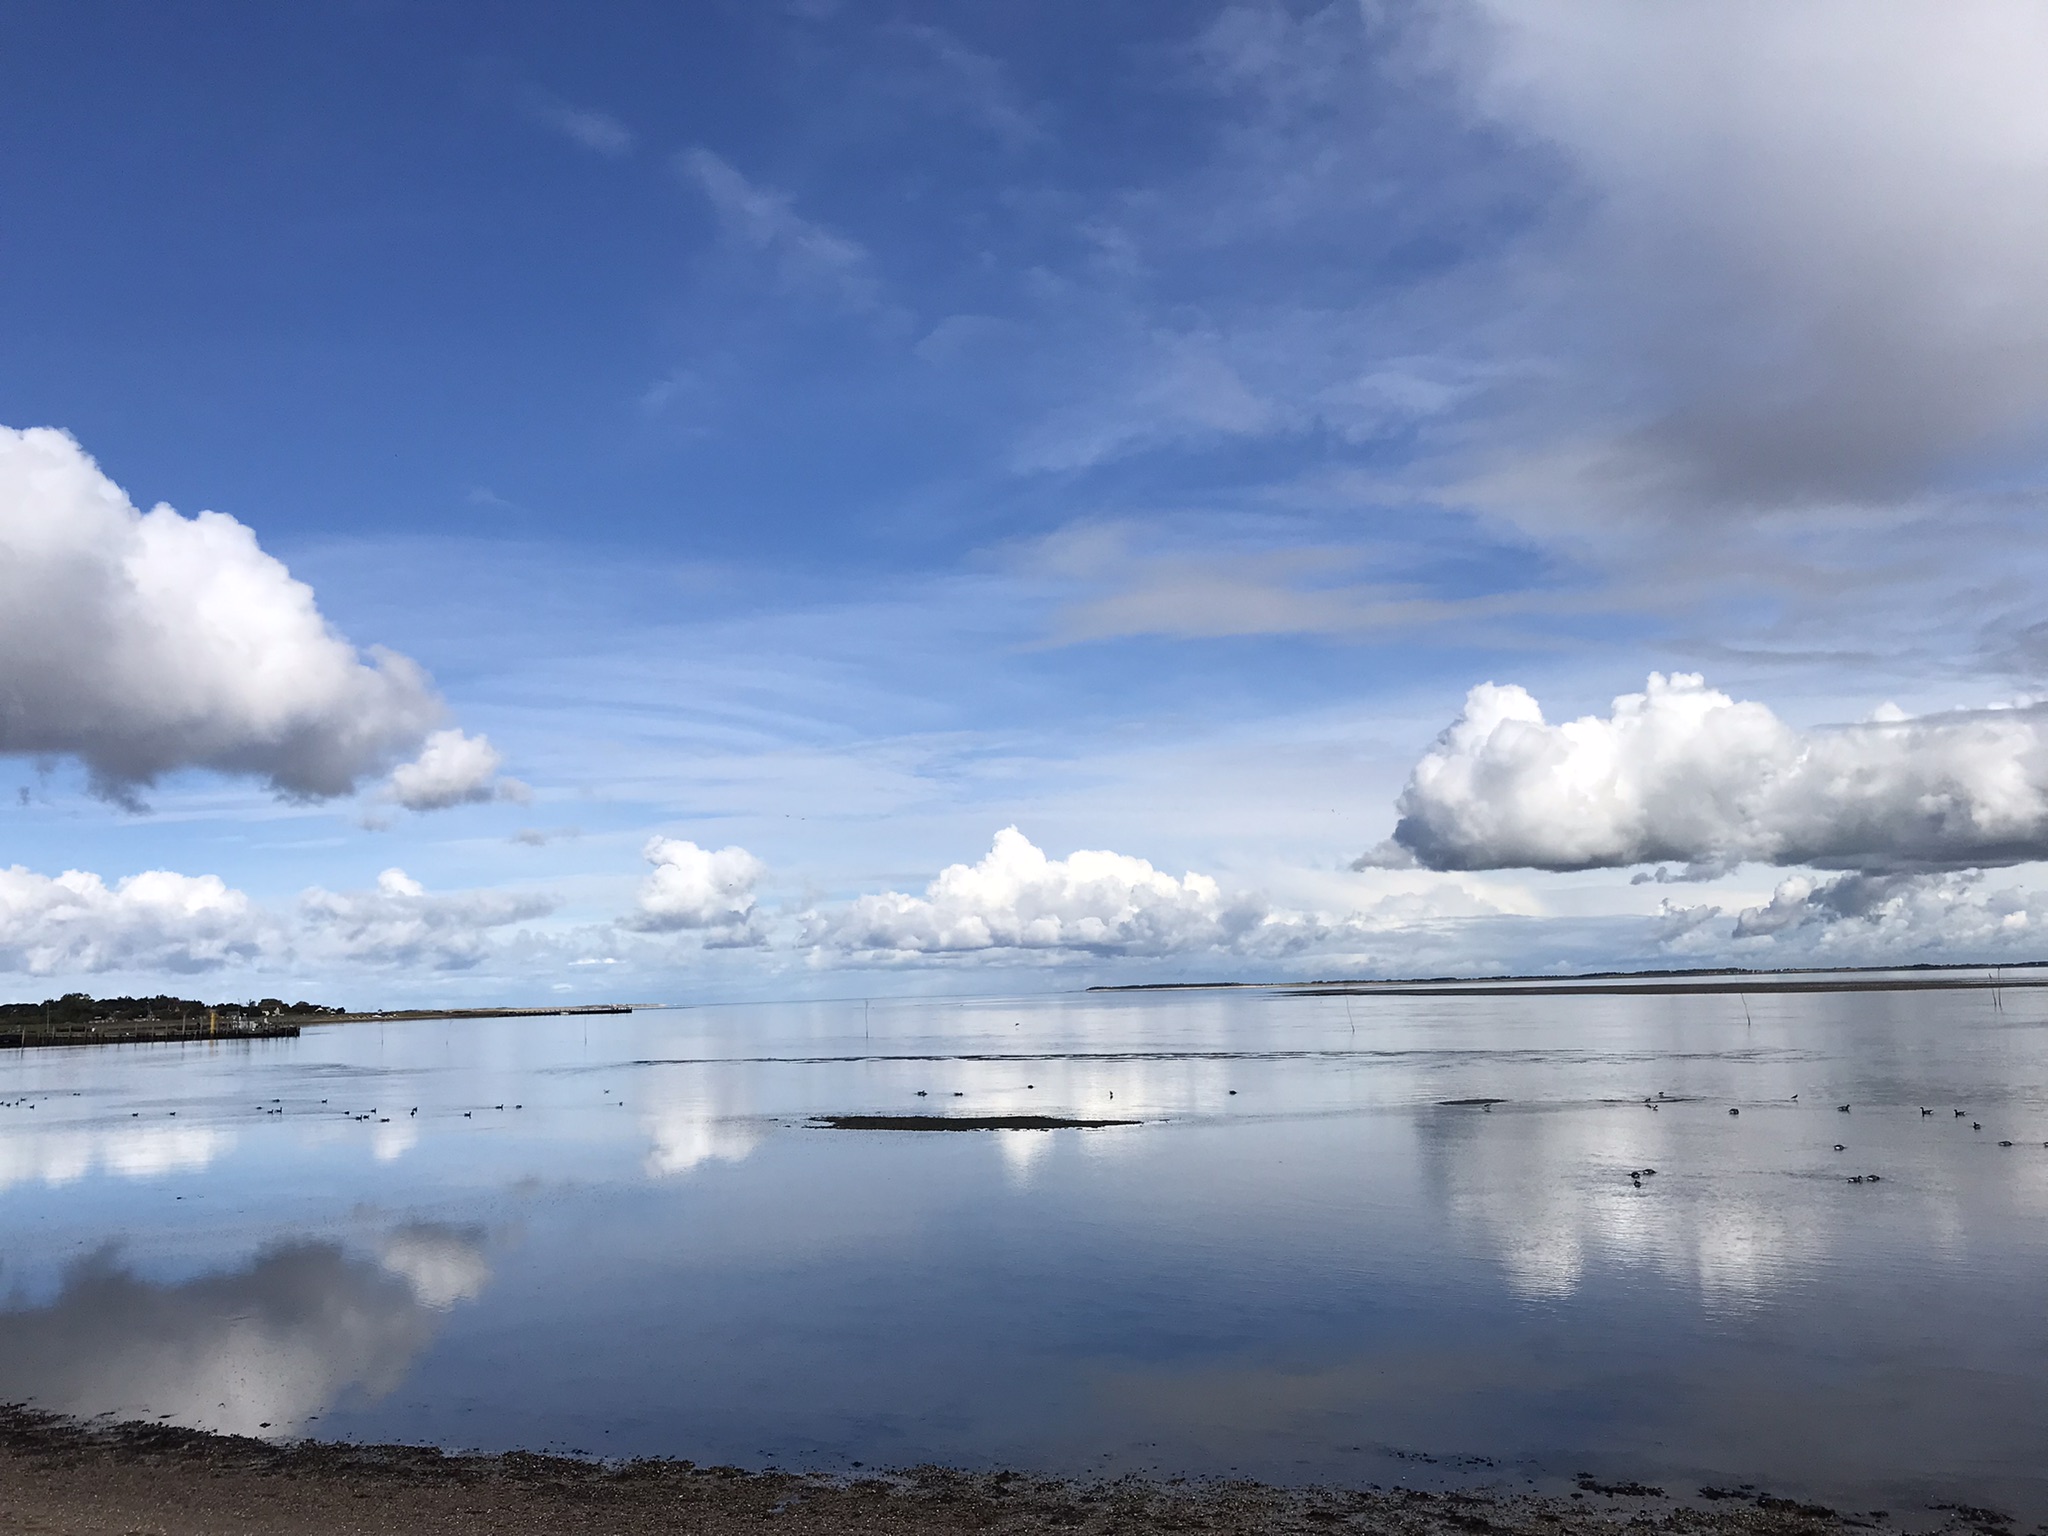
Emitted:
<point x="961" y="1123"/>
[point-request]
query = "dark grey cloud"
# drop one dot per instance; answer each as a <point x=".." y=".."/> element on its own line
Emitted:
<point x="1801" y="266"/>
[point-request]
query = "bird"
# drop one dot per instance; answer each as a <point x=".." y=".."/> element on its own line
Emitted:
<point x="1734" y="1111"/>
<point x="1855" y="1178"/>
<point x="1959" y="1114"/>
<point x="1649" y="1173"/>
<point x="1976" y="1125"/>
<point x="1843" y="1108"/>
<point x="2005" y="1143"/>
<point x="1840" y="1148"/>
<point x="1926" y="1111"/>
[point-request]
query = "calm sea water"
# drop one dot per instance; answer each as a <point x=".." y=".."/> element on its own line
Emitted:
<point x="624" y="1236"/>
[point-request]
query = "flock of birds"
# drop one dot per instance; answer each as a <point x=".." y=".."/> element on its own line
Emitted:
<point x="371" y="1113"/>
<point x="1637" y="1175"/>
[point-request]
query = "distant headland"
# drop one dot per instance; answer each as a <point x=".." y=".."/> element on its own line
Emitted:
<point x="78" y="1018"/>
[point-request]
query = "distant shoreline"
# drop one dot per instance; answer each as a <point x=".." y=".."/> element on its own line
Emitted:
<point x="395" y="1015"/>
<point x="1867" y="978"/>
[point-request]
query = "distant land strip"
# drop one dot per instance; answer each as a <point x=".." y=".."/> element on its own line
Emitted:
<point x="394" y="1015"/>
<point x="1916" y="978"/>
<point x="1732" y="987"/>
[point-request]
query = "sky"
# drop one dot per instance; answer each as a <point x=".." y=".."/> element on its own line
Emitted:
<point x="653" y="503"/>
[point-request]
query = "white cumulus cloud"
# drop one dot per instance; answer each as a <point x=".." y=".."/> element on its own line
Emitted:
<point x="1683" y="772"/>
<point x="453" y="768"/>
<point x="1864" y="919"/>
<point x="401" y="923"/>
<point x="157" y="920"/>
<point x="698" y="889"/>
<point x="145" y="642"/>
<point x="1017" y="898"/>
<point x="1859" y="919"/>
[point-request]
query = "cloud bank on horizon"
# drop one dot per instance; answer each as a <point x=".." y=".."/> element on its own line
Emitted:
<point x="889" y="467"/>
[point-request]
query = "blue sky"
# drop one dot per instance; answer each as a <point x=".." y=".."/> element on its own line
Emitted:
<point x="843" y="432"/>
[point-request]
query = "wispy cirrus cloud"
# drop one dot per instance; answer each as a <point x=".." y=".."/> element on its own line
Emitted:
<point x="597" y="131"/>
<point x="805" y="256"/>
<point x="968" y="85"/>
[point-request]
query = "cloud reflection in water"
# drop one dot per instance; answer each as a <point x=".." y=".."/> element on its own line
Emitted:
<point x="252" y="1351"/>
<point x="137" y="1152"/>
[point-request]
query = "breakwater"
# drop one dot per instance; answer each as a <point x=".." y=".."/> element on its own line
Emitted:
<point x="141" y="1031"/>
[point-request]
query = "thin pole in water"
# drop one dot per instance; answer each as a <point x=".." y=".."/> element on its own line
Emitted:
<point x="1748" y="1022"/>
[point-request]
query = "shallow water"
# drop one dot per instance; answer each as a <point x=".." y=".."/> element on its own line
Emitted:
<point x="1302" y="1266"/>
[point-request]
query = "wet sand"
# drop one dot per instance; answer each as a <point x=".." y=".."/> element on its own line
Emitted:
<point x="57" y="1476"/>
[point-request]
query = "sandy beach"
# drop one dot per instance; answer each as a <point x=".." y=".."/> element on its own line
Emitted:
<point x="57" y="1476"/>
